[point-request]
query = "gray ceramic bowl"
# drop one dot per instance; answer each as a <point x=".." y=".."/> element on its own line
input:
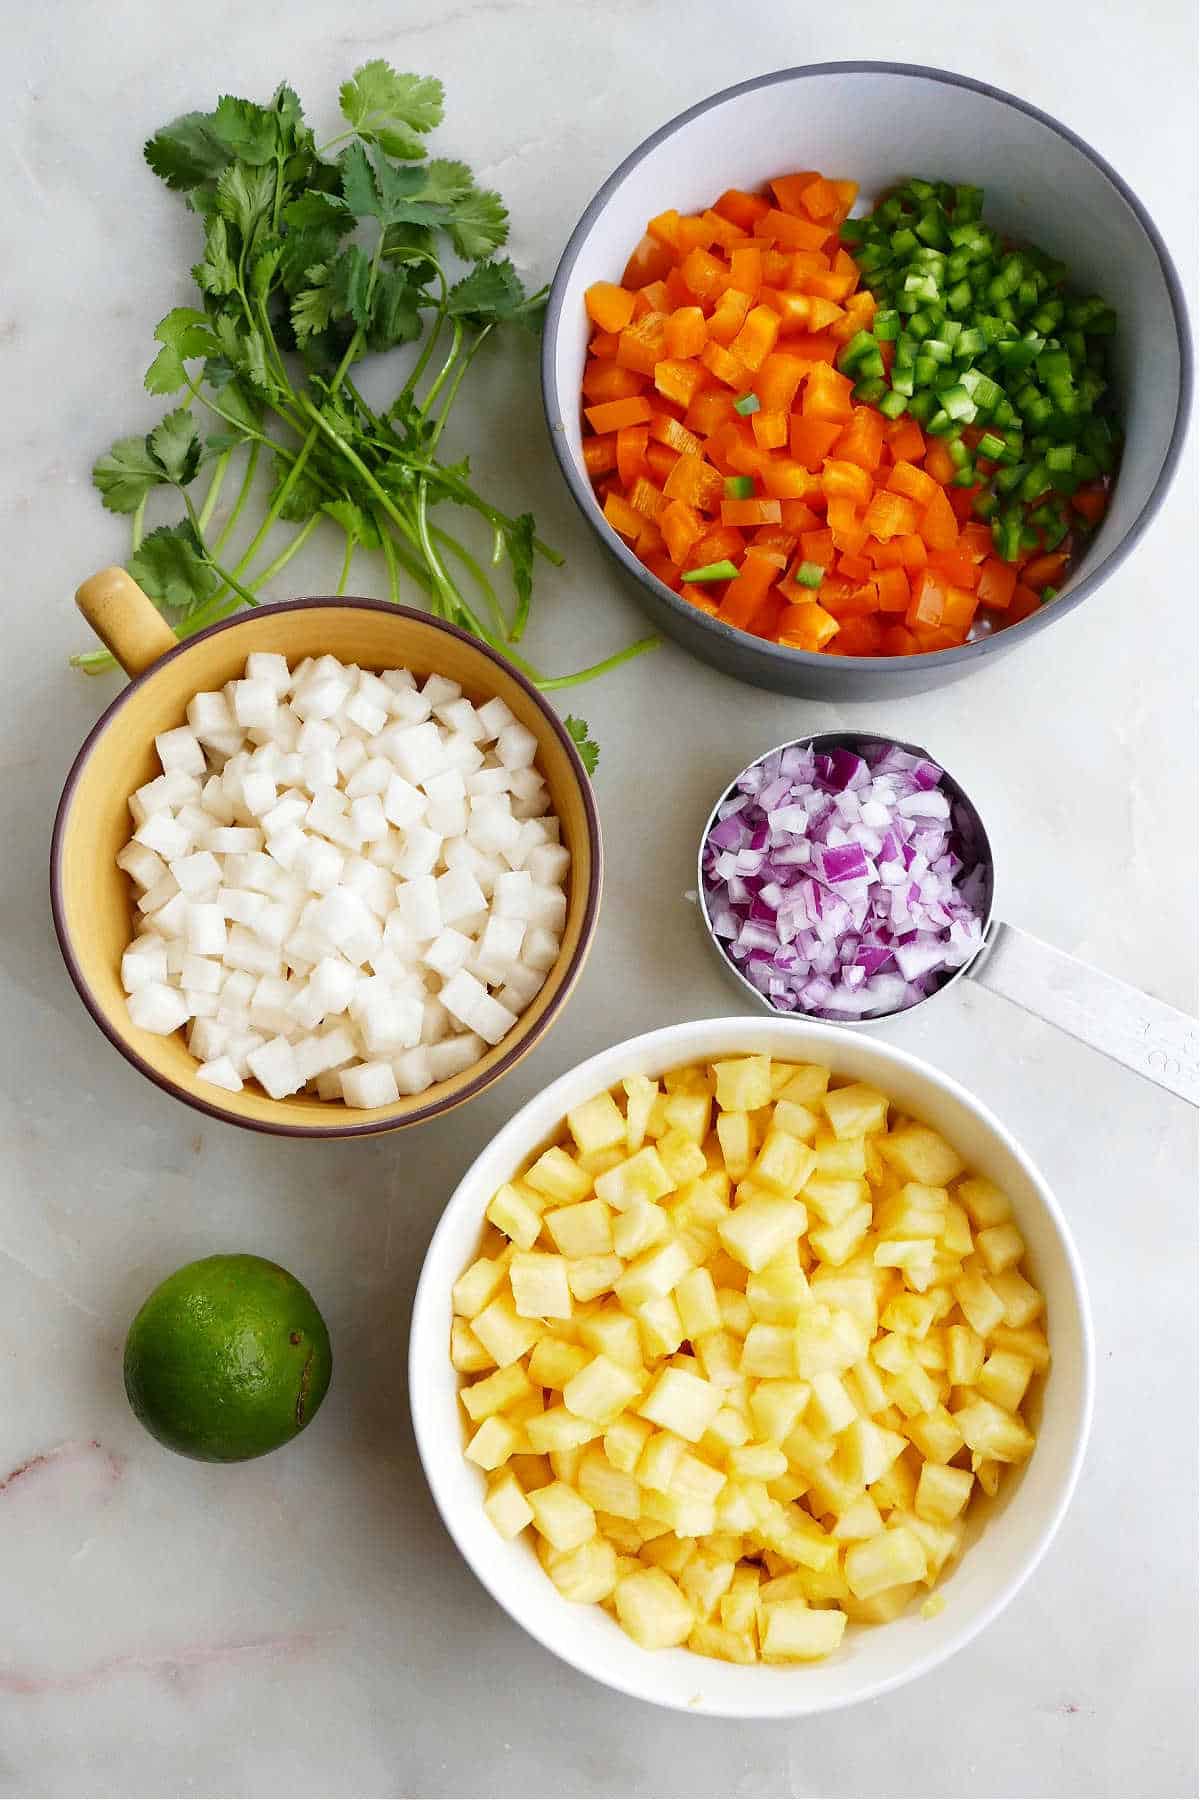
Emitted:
<point x="876" y="123"/>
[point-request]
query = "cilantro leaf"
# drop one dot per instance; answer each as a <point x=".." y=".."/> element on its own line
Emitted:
<point x="262" y="272"/>
<point x="588" y="748"/>
<point x="171" y="568"/>
<point x="245" y="196"/>
<point x="395" y="312"/>
<point x="358" y="182"/>
<point x="479" y="224"/>
<point x="351" y="283"/>
<point x="175" y="445"/>
<point x="493" y="290"/>
<point x="387" y="108"/>
<point x="249" y="132"/>
<point x="314" y="211"/>
<point x="216" y="274"/>
<point x="354" y="521"/>
<point x="187" y="152"/>
<point x="305" y="497"/>
<point x="312" y="307"/>
<point x="125" y="474"/>
<point x="183" y="334"/>
<point x="518" y="543"/>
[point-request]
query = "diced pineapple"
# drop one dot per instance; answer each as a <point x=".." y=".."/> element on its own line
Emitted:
<point x="559" y="1177"/>
<point x="687" y="1518"/>
<point x="830" y="1409"/>
<point x="936" y="1435"/>
<point x="912" y="1255"/>
<point x="607" y="1489"/>
<point x="837" y="1157"/>
<point x="735" y="1134"/>
<point x="864" y="1452"/>
<point x="987" y="1472"/>
<point x="865" y="1388"/>
<point x="507" y="1507"/>
<point x="964" y="1355"/>
<point x="784" y="1163"/>
<point x="912" y="1390"/>
<point x="597" y="1124"/>
<point x="940" y="1542"/>
<point x="1004" y="1378"/>
<point x="795" y="1632"/>
<point x="511" y="1212"/>
<point x="883" y="1607"/>
<point x="768" y="1352"/>
<point x="743" y="1084"/>
<point x="640" y="1096"/>
<point x="1029" y="1342"/>
<point x="625" y="1535"/>
<point x="503" y="1333"/>
<point x="653" y="1274"/>
<point x="539" y="1285"/>
<point x="640" y="1226"/>
<point x="659" y="1326"/>
<point x="861" y="1519"/>
<point x="586" y="1574"/>
<point x="757" y="1462"/>
<point x="835" y="1244"/>
<point x="625" y="1440"/>
<point x="911" y="1314"/>
<point x="853" y="1293"/>
<point x="614" y="1334"/>
<point x="797" y="1536"/>
<point x="552" y="1363"/>
<point x="709" y="1639"/>
<point x="467" y="1354"/>
<point x="530" y="1470"/>
<point x="590" y="1276"/>
<point x="856" y="1111"/>
<point x="897" y="1486"/>
<point x="775" y="1407"/>
<point x="755" y="1232"/>
<point x="640" y="1177"/>
<point x="496" y="1393"/>
<point x="696" y="1298"/>
<point x="779" y="1292"/>
<point x="682" y="1403"/>
<point x="805" y="1083"/>
<point x="739" y="1604"/>
<point x="584" y="1229"/>
<point x="991" y="1431"/>
<point x="986" y="1204"/>
<point x="656" y="1465"/>
<point x="557" y="1429"/>
<point x="477" y="1285"/>
<point x="681" y="1156"/>
<point x="893" y="1556"/>
<point x="599" y="1162"/>
<point x="602" y="1390"/>
<point x="563" y="1517"/>
<point x="494" y="1442"/>
<point x="564" y="1464"/>
<point x="920" y="1154"/>
<point x="736" y="1314"/>
<point x="957" y="1234"/>
<point x="694" y="1479"/>
<point x="979" y="1303"/>
<point x="916" y="1211"/>
<point x="827" y="1339"/>
<point x="834" y="1198"/>
<point x="652" y="1610"/>
<point x="690" y="1114"/>
<point x="1001" y="1247"/>
<point x="666" y="1551"/>
<point x="720" y="1355"/>
<point x="1020" y="1299"/>
<point x="942" y="1492"/>
<point x="656" y="1124"/>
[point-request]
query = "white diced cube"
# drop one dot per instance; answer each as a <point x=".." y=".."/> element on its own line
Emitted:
<point x="498" y="949"/>
<point x="171" y="919"/>
<point x="286" y="846"/>
<point x="143" y="866"/>
<point x="419" y="852"/>
<point x="331" y="1050"/>
<point x="201" y="974"/>
<point x="438" y="689"/>
<point x="220" y="1073"/>
<point x="258" y="792"/>
<point x="274" y="1068"/>
<point x="341" y="916"/>
<point x="242" y="906"/>
<point x="270" y="1007"/>
<point x="254" y="703"/>
<point x="492" y="1020"/>
<point x="157" y="896"/>
<point x="198" y="875"/>
<point x="540" y="949"/>
<point x="164" y="835"/>
<point x="367" y="818"/>
<point x="158" y="1008"/>
<point x="435" y="1020"/>
<point x="375" y="885"/>
<point x="195" y="821"/>
<point x="144" y="962"/>
<point x="522" y="987"/>
<point x="212" y="721"/>
<point x="375" y="689"/>
<point x="461" y="753"/>
<point x="240" y="1046"/>
<point x="403" y="804"/>
<point x="549" y="864"/>
<point x="372" y="777"/>
<point x="363" y="712"/>
<point x="512" y="896"/>
<point x="459" y="894"/>
<point x="180" y="750"/>
<point x="462" y="996"/>
<point x="491" y="826"/>
<point x="448" y="952"/>
<point x="250" y="953"/>
<point x="398" y="680"/>
<point x="409" y="707"/>
<point x="329" y="1085"/>
<point x="350" y="756"/>
<point x="206" y="934"/>
<point x="207" y="1039"/>
<point x="527" y="784"/>
<point x="418" y="908"/>
<point x="447" y="809"/>
<point x="327" y="812"/>
<point x="454" y="1055"/>
<point x="291" y="763"/>
<point x="370" y="1084"/>
<point x="233" y="840"/>
<point x="267" y="665"/>
<point x="275" y="923"/>
<point x="176" y="952"/>
<point x="459" y="715"/>
<point x="548" y="907"/>
<point x="412" y="1071"/>
<point x="319" y="865"/>
<point x="332" y="985"/>
<point x="494" y="716"/>
<point x="388" y="1021"/>
<point x="416" y="750"/>
<point x="200" y="1006"/>
<point x="320" y="770"/>
<point x="317" y="735"/>
<point x="490" y="781"/>
<point x="320" y="696"/>
<point x="516" y="747"/>
<point x="216" y="801"/>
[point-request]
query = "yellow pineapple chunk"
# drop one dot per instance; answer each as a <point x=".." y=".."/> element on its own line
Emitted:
<point x="640" y="1177"/>
<point x="853" y="1293"/>
<point x="912" y="1390"/>
<point x="1020" y="1299"/>
<point x="910" y="1314"/>
<point x="939" y="1542"/>
<point x="957" y="1235"/>
<point x="865" y="1388"/>
<point x="494" y="1442"/>
<point x="856" y="1111"/>
<point x="563" y="1517"/>
<point x="640" y="1226"/>
<point x="758" y="1230"/>
<point x="920" y="1154"/>
<point x="964" y="1355"/>
<point x="775" y="1407"/>
<point x="559" y="1177"/>
<point x="496" y="1393"/>
<point x="1004" y="1378"/>
<point x="936" y="1435"/>
<point x="564" y="1464"/>
<point x="987" y="1473"/>
<point x="805" y="1083"/>
<point x="835" y="1244"/>
<point x="884" y="1561"/>
<point x="864" y="1452"/>
<point x="511" y="1212"/>
<point x="653" y="1274"/>
<point x="979" y="1303"/>
<point x="743" y="1084"/>
<point x="606" y="1489"/>
<point x="779" y="1292"/>
<point x="1001" y="1247"/>
<point x="590" y="1276"/>
<point x="992" y="1432"/>
<point x="827" y="1339"/>
<point x="757" y="1462"/>
<point x="539" y="1285"/>
<point x="769" y="1352"/>
<point x="652" y="1610"/>
<point x="736" y="1314"/>
<point x="735" y="1135"/>
<point x="690" y="1114"/>
<point x="602" y="1390"/>
<point x="659" y="1326"/>
<point x="861" y="1519"/>
<point x="833" y="1199"/>
<point x="1029" y="1342"/>
<point x="625" y="1440"/>
<point x="830" y="1409"/>
<point x="696" y="1298"/>
<point x="503" y="1333"/>
<point x="584" y="1229"/>
<point x="681" y="1156"/>
<point x="720" y="1355"/>
<point x="942" y="1492"/>
<point x="530" y="1470"/>
<point x="705" y="1580"/>
<point x="681" y="1403"/>
<point x="710" y="1639"/>
<point x="839" y="1158"/>
<point x="557" y="1429"/>
<point x="784" y="1163"/>
<point x="694" y="1479"/>
<point x="883" y="1607"/>
<point x="552" y="1362"/>
<point x="739" y="1604"/>
<point x="585" y="1575"/>
<point x="467" y="1354"/>
<point x="597" y="1124"/>
<point x="795" y="1632"/>
<point x="477" y="1285"/>
<point x="507" y="1507"/>
<point x="986" y="1204"/>
<point x="599" y="1162"/>
<point x="612" y="1333"/>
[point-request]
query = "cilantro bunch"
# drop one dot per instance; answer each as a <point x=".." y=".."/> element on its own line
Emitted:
<point x="312" y="262"/>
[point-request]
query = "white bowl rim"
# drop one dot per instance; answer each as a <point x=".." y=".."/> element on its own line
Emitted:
<point x="581" y="491"/>
<point x="431" y="1441"/>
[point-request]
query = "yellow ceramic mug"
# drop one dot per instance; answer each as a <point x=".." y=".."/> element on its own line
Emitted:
<point x="91" y="898"/>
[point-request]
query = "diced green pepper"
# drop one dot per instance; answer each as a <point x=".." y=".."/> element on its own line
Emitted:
<point x="716" y="571"/>
<point x="746" y="404"/>
<point x="809" y="575"/>
<point x="739" y="487"/>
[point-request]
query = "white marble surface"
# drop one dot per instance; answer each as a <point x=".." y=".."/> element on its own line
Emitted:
<point x="302" y="1625"/>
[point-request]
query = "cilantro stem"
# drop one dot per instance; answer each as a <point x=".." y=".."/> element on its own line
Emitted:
<point x="600" y="668"/>
<point x="463" y="366"/>
<point x="478" y="574"/>
<point x="443" y="372"/>
<point x="230" y="581"/>
<point x="278" y="503"/>
<point x="344" y="577"/>
<point x="389" y="557"/>
<point x="138" y="528"/>
<point x="214" y="489"/>
<point x="243" y="494"/>
<point x="466" y="494"/>
<point x="289" y="550"/>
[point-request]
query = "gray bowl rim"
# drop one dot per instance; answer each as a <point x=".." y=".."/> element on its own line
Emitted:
<point x="805" y="659"/>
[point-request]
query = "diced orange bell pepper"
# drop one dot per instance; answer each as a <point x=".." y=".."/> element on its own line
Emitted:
<point x="691" y="233"/>
<point x="726" y="367"/>
<point x="861" y="637"/>
<point x="956" y="566"/>
<point x="664" y="228"/>
<point x="805" y="263"/>
<point x="704" y="273"/>
<point x="861" y="600"/>
<point x="1044" y="571"/>
<point x="820" y="199"/>
<point x="975" y="540"/>
<point x="828" y="286"/>
<point x="862" y="440"/>
<point x="774" y="537"/>
<point x="659" y="460"/>
<point x="754" y="580"/>
<point x="796" y="515"/>
<point x="786" y="479"/>
<point x="906" y="441"/>
<point x="646" y="499"/>
<point x="959" y="610"/>
<point x="685" y="333"/>
<point x="962" y="502"/>
<point x="650" y="262"/>
<point x="808" y="628"/>
<point x="890" y="515"/>
<point x="725" y="320"/>
<point x="621" y="516"/>
<point x="744" y="455"/>
<point x="769" y="617"/>
<point x="691" y="592"/>
<point x="847" y="193"/>
<point x="721" y="231"/>
<point x="810" y="438"/>
<point x="605" y="381"/>
<point x="740" y="208"/>
<point x="914" y="483"/>
<point x="789" y="231"/>
<point x="1024" y="602"/>
<point x="631" y="453"/>
<point x="824" y="315"/>
<point x="938" y="525"/>
<point x="789" y="190"/>
<point x="849" y="531"/>
<point x="694" y="481"/>
<point x="643" y="343"/>
<point x="604" y="345"/>
<point x="679" y="379"/>
<point x="854" y="568"/>
<point x="720" y="543"/>
<point x="847" y="481"/>
<point x="746" y="269"/>
<point x="817" y="547"/>
<point x="666" y="430"/>
<point x="814" y="347"/>
<point x="652" y="298"/>
<point x="997" y="583"/>
<point x="680" y="525"/>
<point x="600" y="454"/>
<point x="660" y="564"/>
<point x="893" y="589"/>
<point x="750" y="512"/>
<point x="770" y="428"/>
<point x="928" y="601"/>
<point x="677" y="292"/>
<point x="613" y="414"/>
<point x="711" y="408"/>
<point x="827" y="394"/>
<point x="913" y="553"/>
<point x="791" y="306"/>
<point x="898" y="640"/>
<point x="756" y="339"/>
<point x="939" y="463"/>
<point x="777" y="380"/>
<point x="1090" y="502"/>
<point x="609" y="306"/>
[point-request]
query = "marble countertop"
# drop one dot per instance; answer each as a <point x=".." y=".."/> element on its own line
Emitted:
<point x="302" y="1625"/>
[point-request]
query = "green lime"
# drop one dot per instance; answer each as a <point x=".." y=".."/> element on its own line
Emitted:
<point x="227" y="1359"/>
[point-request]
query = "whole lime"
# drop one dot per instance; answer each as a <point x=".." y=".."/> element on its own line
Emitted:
<point x="227" y="1359"/>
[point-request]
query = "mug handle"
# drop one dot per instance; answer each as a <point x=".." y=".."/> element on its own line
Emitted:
<point x="1143" y="1034"/>
<point x="125" y="619"/>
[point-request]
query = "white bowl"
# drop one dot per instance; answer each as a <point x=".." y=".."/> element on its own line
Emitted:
<point x="1019" y="1524"/>
<point x="877" y="123"/>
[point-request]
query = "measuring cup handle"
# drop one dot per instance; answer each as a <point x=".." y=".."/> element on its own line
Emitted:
<point x="125" y="619"/>
<point x="1141" y="1033"/>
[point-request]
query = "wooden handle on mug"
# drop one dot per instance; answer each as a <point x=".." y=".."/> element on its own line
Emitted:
<point x="125" y="619"/>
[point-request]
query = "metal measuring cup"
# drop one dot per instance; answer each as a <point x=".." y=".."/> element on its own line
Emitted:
<point x="1134" y="1029"/>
